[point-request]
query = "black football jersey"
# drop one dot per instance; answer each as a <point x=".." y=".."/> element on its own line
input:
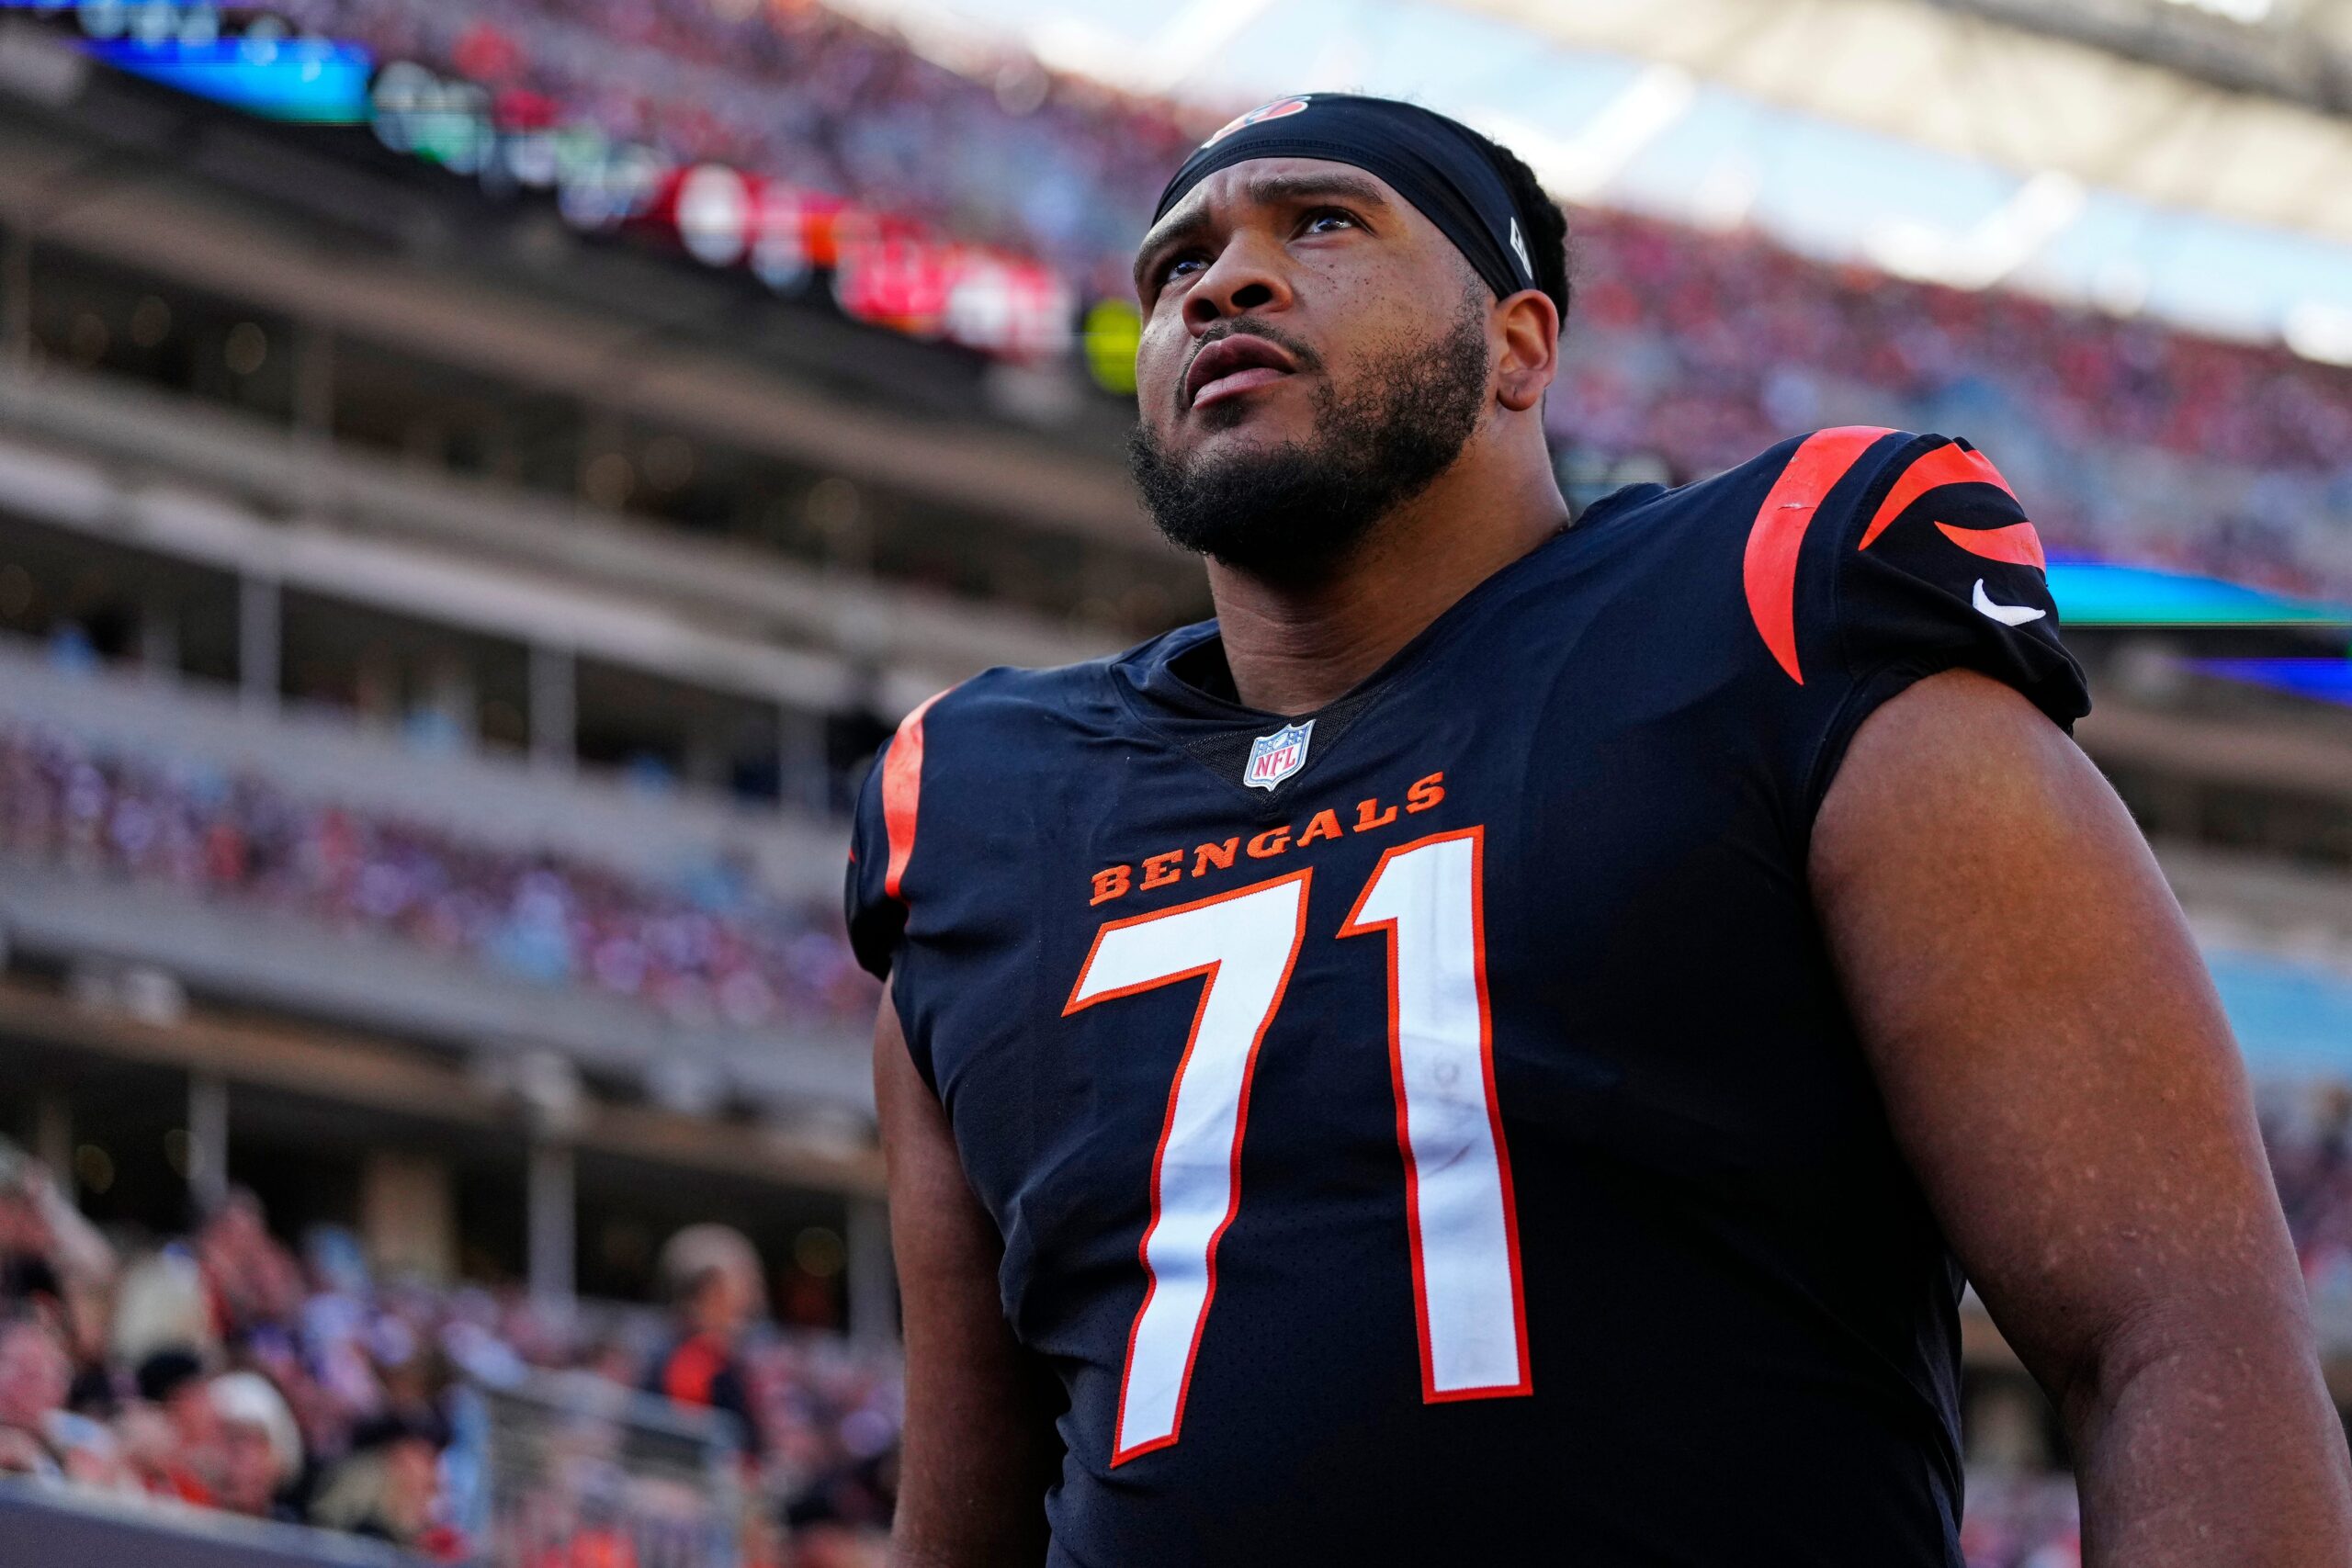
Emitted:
<point x="1428" y="1130"/>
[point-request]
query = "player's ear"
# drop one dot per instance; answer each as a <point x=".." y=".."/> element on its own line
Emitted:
<point x="1529" y="325"/>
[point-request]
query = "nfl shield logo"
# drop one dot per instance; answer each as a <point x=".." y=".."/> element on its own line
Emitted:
<point x="1273" y="757"/>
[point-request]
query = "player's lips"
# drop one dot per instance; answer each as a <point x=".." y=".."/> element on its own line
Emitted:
<point x="1232" y="365"/>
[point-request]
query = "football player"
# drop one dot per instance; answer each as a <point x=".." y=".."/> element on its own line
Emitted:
<point x="1502" y="1047"/>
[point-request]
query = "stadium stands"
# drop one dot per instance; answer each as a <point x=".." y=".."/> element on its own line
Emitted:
<point x="2307" y="1129"/>
<point x="2022" y="1520"/>
<point x="721" y="948"/>
<point x="1709" y="345"/>
<point x="345" y="1349"/>
<point x="1052" y="166"/>
<point x="132" y="1375"/>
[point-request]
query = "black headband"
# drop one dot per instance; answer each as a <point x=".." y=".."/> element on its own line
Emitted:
<point x="1438" y="166"/>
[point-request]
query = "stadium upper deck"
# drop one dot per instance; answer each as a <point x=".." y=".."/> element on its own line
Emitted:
<point x="2134" y="439"/>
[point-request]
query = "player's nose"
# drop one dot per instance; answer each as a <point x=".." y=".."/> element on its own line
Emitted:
<point x="1247" y="275"/>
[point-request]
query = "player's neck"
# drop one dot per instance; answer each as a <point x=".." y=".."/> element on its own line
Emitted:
<point x="1295" y="647"/>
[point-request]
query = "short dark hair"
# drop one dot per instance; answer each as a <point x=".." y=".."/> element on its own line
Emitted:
<point x="167" y="1371"/>
<point x="1547" y="226"/>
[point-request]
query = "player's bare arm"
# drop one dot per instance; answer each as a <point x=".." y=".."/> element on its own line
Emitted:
<point x="979" y="1446"/>
<point x="2057" y="1067"/>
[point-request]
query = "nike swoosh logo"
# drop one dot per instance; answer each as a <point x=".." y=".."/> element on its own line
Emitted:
<point x="2007" y="615"/>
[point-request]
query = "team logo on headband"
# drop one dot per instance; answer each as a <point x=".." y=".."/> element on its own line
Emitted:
<point x="1276" y="110"/>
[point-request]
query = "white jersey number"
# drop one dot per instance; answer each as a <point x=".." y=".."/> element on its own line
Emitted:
<point x="1463" y="1233"/>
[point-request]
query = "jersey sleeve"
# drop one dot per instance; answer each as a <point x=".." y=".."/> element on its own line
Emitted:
<point x="882" y="845"/>
<point x="878" y="920"/>
<point x="1936" y="567"/>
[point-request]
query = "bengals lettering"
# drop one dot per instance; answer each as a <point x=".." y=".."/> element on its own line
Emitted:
<point x="1172" y="866"/>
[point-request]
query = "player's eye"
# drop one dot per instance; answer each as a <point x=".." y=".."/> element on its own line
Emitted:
<point x="1174" y="268"/>
<point x="1328" y="221"/>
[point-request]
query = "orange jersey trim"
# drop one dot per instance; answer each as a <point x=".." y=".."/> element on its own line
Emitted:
<point x="1952" y="465"/>
<point x="903" y="793"/>
<point x="2018" y="544"/>
<point x="1770" y="570"/>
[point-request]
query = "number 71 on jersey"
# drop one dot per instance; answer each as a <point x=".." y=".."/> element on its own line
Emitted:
<point x="1427" y="898"/>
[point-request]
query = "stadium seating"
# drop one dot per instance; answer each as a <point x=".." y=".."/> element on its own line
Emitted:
<point x="723" y="948"/>
<point x="343" y="1347"/>
<point x="2022" y="1521"/>
<point x="2127" y="437"/>
<point x="103" y="1404"/>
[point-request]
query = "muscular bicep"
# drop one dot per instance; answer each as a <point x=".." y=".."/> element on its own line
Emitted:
<point x="2052" y="1056"/>
<point x="979" y="1450"/>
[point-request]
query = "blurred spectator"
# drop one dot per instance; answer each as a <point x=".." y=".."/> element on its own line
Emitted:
<point x="827" y="1544"/>
<point x="26" y="1241"/>
<point x="92" y="1454"/>
<point x="2022" y="1521"/>
<point x="712" y="1278"/>
<point x="50" y="1258"/>
<point x="162" y="1304"/>
<point x="34" y="1376"/>
<point x="261" y="1452"/>
<point x="171" y="1383"/>
<point x="388" y="1488"/>
<point x="249" y="1278"/>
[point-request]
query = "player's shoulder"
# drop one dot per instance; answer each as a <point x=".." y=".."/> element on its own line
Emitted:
<point x="1011" y="694"/>
<point x="1824" y="540"/>
<point x="1078" y="693"/>
<point x="1831" y="471"/>
<point x="962" y="767"/>
<point x="1011" y="715"/>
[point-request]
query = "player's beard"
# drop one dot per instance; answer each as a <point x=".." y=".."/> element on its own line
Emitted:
<point x="1294" y="511"/>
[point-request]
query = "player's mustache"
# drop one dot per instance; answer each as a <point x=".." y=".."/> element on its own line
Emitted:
<point x="1255" y="327"/>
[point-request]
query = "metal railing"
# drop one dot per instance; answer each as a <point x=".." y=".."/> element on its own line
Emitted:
<point x="577" y="1469"/>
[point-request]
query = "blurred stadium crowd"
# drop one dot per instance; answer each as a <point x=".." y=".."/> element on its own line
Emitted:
<point x="216" y="1371"/>
<point x="717" y="948"/>
<point x="1053" y="168"/>
<point x="2308" y="1131"/>
<point x="2139" y="441"/>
